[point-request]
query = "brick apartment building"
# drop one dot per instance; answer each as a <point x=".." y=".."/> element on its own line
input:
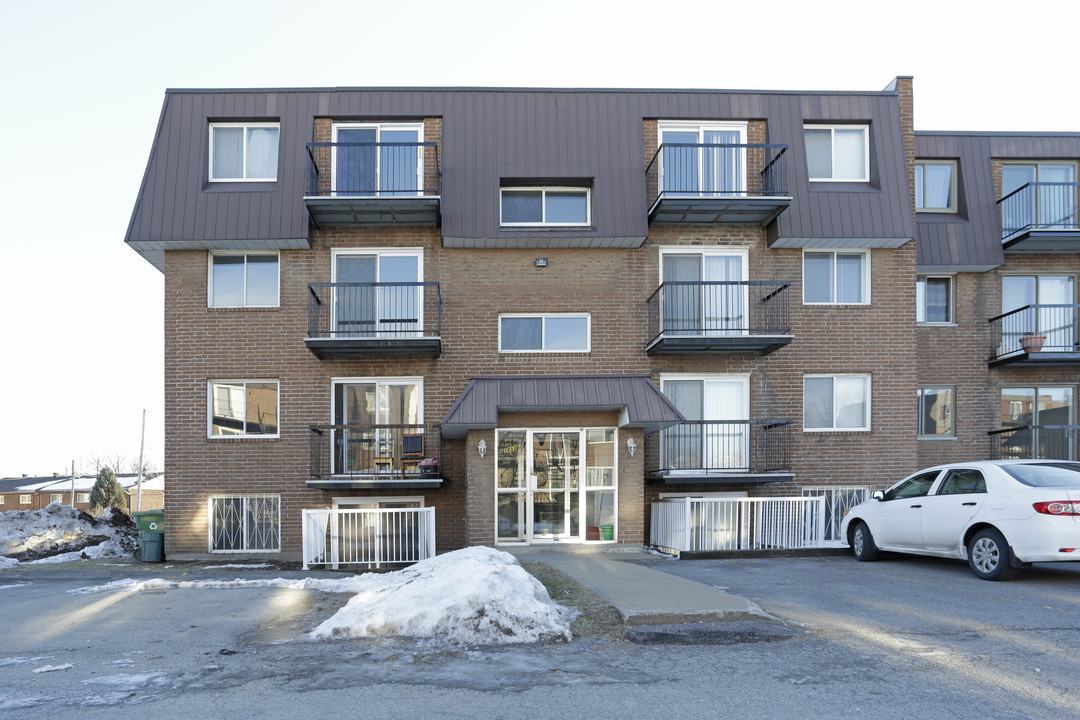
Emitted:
<point x="538" y="311"/>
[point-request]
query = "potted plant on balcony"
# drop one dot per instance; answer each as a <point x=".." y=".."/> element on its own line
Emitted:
<point x="1032" y="342"/>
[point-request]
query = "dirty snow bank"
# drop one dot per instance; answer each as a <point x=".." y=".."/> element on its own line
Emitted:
<point x="471" y="596"/>
<point x="58" y="533"/>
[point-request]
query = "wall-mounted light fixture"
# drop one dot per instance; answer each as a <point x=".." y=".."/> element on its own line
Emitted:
<point x="482" y="447"/>
<point x="631" y="446"/>
<point x="541" y="262"/>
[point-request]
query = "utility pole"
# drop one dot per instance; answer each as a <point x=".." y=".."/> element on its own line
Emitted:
<point x="73" y="483"/>
<point x="142" y="440"/>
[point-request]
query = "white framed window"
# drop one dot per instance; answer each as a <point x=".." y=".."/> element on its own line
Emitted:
<point x="375" y="421"/>
<point x="244" y="523"/>
<point x="836" y="277"/>
<point x="545" y="333"/>
<point x="82" y="497"/>
<point x="377" y="293"/>
<point x="702" y="159"/>
<point x="937" y="405"/>
<point x="26" y="499"/>
<point x="935" y="186"/>
<point x="247" y="408"/>
<point x="244" y="152"/>
<point x="693" y="300"/>
<point x="716" y="434"/>
<point x="379" y="503"/>
<point x="550" y="206"/>
<point x="836" y="402"/>
<point x="934" y="300"/>
<point x="837" y="153"/>
<point x="377" y="159"/>
<point x="2" y="499"/>
<point x="56" y="497"/>
<point x="243" y="280"/>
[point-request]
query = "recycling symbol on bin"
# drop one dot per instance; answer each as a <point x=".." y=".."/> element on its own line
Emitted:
<point x="153" y="526"/>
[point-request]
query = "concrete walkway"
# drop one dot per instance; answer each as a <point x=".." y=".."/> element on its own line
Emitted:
<point x="644" y="596"/>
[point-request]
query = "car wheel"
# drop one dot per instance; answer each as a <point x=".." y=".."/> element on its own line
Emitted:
<point x="862" y="543"/>
<point x="989" y="556"/>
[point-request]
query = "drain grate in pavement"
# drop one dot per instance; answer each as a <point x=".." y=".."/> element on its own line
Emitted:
<point x="711" y="633"/>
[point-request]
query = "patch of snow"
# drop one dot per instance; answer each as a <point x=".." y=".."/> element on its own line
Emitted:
<point x="53" y="668"/>
<point x="14" y="585"/>
<point x="348" y="584"/>
<point x="60" y="533"/>
<point x="22" y="703"/>
<point x="23" y="660"/>
<point x="129" y="682"/>
<point x="477" y="595"/>
<point x="226" y="567"/>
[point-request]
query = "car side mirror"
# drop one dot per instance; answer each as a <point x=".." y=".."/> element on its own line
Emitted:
<point x="878" y="495"/>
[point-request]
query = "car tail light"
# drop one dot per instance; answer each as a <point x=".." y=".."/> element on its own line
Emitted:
<point x="1058" y="507"/>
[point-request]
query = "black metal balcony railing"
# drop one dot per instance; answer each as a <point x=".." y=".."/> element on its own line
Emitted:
<point x="1034" y="442"/>
<point x="1040" y="206"/>
<point x="384" y="169"/>
<point x="375" y="452"/>
<point x="376" y="311"/>
<point x="721" y="447"/>
<point x="717" y="170"/>
<point x="1035" y="328"/>
<point x="750" y="307"/>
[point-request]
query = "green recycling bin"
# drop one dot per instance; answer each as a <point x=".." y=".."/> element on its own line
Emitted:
<point x="151" y="526"/>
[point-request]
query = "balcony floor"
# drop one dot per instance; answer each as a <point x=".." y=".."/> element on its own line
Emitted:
<point x="1041" y="358"/>
<point x="1043" y="241"/>
<point x="409" y="210"/>
<point x="754" y="210"/>
<point x="346" y="347"/>
<point x="371" y="481"/>
<point x="695" y="344"/>
<point x="715" y="477"/>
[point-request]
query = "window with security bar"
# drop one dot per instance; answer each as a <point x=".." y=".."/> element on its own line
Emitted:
<point x="245" y="523"/>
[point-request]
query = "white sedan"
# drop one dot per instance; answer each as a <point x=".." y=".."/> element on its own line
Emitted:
<point x="1000" y="515"/>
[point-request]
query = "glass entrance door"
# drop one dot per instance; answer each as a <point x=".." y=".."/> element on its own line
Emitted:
<point x="539" y="489"/>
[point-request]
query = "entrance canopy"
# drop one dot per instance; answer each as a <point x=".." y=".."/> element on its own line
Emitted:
<point x="639" y="402"/>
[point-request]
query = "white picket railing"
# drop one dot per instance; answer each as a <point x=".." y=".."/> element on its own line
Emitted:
<point x="710" y="524"/>
<point x="373" y="538"/>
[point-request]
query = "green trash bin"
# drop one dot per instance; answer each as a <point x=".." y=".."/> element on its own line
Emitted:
<point x="151" y="526"/>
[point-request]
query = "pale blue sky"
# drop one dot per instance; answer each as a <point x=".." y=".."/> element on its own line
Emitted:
<point x="83" y="84"/>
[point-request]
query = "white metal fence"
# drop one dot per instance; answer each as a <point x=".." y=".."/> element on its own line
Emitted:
<point x="710" y="524"/>
<point x="335" y="537"/>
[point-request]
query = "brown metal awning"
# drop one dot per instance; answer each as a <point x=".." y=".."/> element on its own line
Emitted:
<point x="639" y="402"/>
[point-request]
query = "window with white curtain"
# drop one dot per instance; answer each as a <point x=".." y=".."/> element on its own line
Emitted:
<point x="704" y="292"/>
<point x="836" y="277"/>
<point x="838" y="152"/>
<point x="707" y="160"/>
<point x="244" y="152"/>
<point x="935" y="186"/>
<point x="836" y="402"/>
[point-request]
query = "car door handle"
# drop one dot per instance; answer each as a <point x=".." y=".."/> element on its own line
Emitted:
<point x="973" y="504"/>
<point x="916" y="506"/>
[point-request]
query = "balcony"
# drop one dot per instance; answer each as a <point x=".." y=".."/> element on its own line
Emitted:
<point x="720" y="451"/>
<point x="717" y="183"/>
<point x="352" y="319"/>
<point x="1041" y="217"/>
<point x="1034" y="442"/>
<point x="384" y="183"/>
<point x="374" y="456"/>
<point x="1036" y="335"/>
<point x="718" y="317"/>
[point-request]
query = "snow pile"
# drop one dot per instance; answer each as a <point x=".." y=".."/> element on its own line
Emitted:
<point x="471" y="596"/>
<point x="59" y="533"/>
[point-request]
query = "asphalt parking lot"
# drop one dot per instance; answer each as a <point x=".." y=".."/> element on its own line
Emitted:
<point x="905" y="637"/>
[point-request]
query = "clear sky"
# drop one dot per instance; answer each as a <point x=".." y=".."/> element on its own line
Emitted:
<point x="83" y="83"/>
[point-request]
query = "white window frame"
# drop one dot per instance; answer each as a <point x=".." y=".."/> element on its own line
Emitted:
<point x="244" y="126"/>
<point x="210" y="278"/>
<point x="742" y="378"/>
<point x="834" y="376"/>
<point x="56" y="497"/>
<point x="920" y="300"/>
<point x="832" y="128"/>
<point x="82" y="497"/>
<point x="701" y="128"/>
<point x="543" y="333"/>
<point x="951" y="208"/>
<point x="245" y="435"/>
<point x="245" y="497"/>
<point x="844" y="251"/>
<point x="418" y="381"/>
<point x="544" y="190"/>
<point x="26" y="499"/>
<point x="378" y="127"/>
<point x="951" y="412"/>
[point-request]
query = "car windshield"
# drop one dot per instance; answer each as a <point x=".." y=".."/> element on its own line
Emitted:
<point x="1046" y="474"/>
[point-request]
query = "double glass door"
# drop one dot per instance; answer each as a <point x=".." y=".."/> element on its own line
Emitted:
<point x="704" y="294"/>
<point x="554" y="485"/>
<point x="377" y="295"/>
<point x="1049" y="202"/>
<point x="716" y="434"/>
<point x="1055" y="317"/>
